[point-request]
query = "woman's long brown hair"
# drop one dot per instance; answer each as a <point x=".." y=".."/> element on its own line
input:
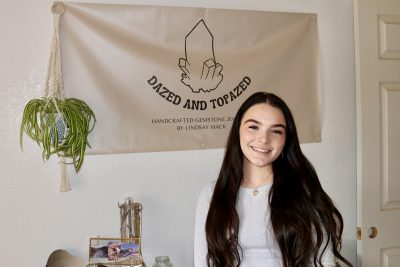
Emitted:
<point x="303" y="217"/>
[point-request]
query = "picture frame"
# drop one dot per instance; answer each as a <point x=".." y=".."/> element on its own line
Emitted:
<point x="115" y="252"/>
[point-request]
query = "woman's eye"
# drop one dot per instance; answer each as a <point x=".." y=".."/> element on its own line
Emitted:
<point x="277" y="132"/>
<point x="255" y="127"/>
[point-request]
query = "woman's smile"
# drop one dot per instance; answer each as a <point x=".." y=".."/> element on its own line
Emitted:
<point x="262" y="150"/>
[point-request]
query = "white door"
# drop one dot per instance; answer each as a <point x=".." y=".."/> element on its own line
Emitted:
<point x="377" y="32"/>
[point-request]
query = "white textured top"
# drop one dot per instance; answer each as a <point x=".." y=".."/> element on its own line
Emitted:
<point x="255" y="232"/>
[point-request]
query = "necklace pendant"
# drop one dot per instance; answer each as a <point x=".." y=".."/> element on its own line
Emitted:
<point x="255" y="192"/>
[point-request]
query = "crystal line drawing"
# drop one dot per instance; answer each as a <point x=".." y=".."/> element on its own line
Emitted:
<point x="201" y="72"/>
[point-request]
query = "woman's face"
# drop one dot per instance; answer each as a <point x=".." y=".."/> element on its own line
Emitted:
<point x="262" y="135"/>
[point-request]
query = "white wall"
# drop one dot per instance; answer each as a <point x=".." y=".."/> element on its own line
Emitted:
<point x="36" y="218"/>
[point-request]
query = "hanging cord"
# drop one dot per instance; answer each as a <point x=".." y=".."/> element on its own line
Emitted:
<point x="54" y="86"/>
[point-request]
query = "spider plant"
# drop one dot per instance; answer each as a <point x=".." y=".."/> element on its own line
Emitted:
<point x="59" y="126"/>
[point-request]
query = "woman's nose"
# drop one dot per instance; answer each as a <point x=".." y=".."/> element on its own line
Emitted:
<point x="264" y="137"/>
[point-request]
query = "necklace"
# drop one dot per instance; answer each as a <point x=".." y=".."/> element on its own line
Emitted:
<point x="255" y="192"/>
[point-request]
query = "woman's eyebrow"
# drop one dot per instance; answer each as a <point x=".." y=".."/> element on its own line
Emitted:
<point x="252" y="120"/>
<point x="280" y="125"/>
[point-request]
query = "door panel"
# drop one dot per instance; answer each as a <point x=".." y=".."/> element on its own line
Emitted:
<point x="390" y="151"/>
<point x="377" y="32"/>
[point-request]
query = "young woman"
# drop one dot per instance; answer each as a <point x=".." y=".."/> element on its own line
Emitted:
<point x="267" y="207"/>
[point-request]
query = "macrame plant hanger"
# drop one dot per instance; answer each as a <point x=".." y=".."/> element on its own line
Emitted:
<point x="54" y="85"/>
<point x="59" y="125"/>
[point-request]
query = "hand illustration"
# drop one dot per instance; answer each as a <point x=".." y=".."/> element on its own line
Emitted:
<point x="209" y="78"/>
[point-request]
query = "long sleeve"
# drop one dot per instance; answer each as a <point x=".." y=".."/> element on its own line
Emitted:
<point x="200" y="242"/>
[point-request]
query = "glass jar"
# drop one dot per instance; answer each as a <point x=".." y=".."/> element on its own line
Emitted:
<point x="162" y="261"/>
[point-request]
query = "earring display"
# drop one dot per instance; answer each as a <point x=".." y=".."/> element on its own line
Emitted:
<point x="130" y="213"/>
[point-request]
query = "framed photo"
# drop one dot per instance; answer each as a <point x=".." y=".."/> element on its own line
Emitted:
<point x="115" y="252"/>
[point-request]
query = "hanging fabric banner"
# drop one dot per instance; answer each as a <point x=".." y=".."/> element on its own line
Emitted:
<point x="172" y="78"/>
